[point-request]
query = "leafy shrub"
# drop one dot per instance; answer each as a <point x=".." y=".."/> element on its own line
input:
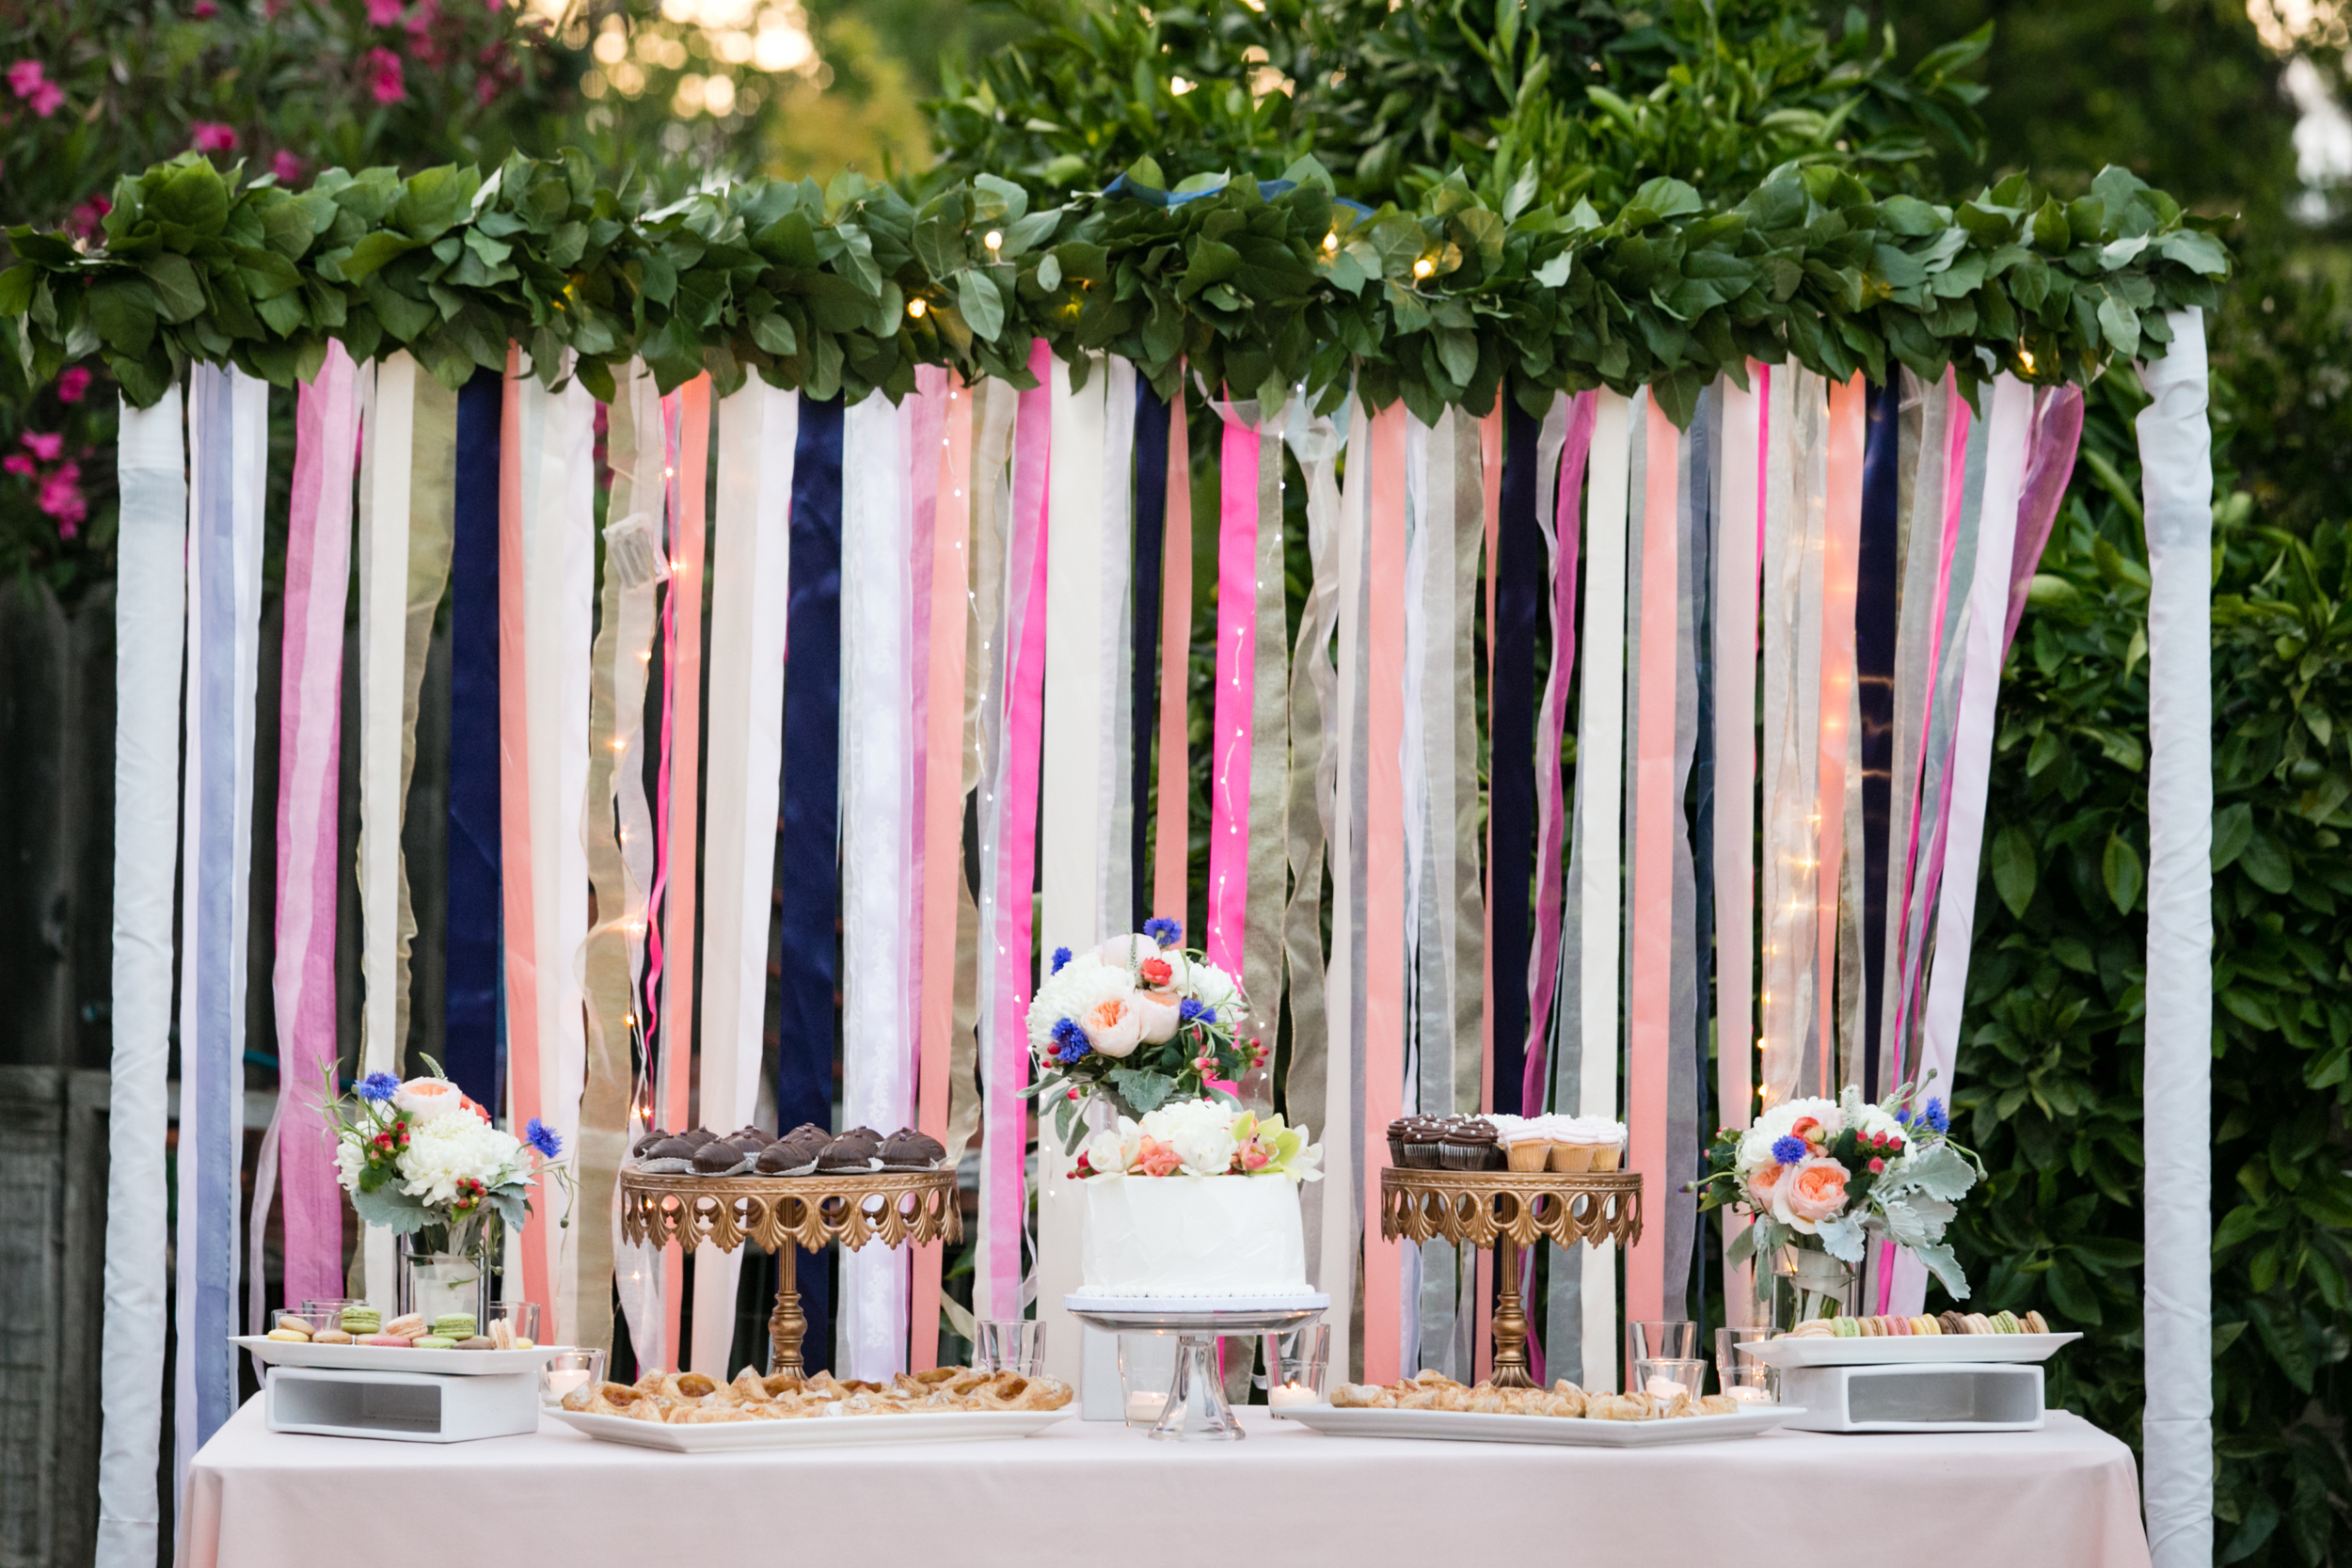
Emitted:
<point x="2049" y="1074"/>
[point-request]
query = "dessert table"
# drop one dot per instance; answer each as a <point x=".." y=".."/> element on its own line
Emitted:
<point x="2066" y="1496"/>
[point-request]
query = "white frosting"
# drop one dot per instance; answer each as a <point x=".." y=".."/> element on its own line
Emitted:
<point x="1192" y="1236"/>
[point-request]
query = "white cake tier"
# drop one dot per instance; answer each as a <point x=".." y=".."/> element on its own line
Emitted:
<point x="1192" y="1236"/>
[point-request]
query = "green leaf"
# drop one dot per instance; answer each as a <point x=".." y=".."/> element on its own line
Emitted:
<point x="2268" y="863"/>
<point x="982" y="306"/>
<point x="2233" y="830"/>
<point x="2013" y="869"/>
<point x="2119" y="867"/>
<point x="1144" y="1090"/>
<point x="178" y="296"/>
<point x="123" y="311"/>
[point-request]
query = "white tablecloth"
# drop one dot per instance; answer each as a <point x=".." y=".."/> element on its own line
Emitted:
<point x="1096" y="1492"/>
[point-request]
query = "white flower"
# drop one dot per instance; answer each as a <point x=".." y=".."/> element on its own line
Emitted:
<point x="1864" y="1117"/>
<point x="1112" y="1151"/>
<point x="428" y="1099"/>
<point x="1127" y="952"/>
<point x="449" y="1150"/>
<point x="1083" y="981"/>
<point x="349" y="1161"/>
<point x="1159" y="1017"/>
<point x="1212" y="987"/>
<point x="1756" y="1147"/>
<point x="1200" y="1131"/>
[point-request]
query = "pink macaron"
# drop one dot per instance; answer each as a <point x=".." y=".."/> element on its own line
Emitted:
<point x="392" y="1342"/>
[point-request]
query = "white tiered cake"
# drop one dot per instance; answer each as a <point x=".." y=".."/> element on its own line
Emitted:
<point x="1193" y="1236"/>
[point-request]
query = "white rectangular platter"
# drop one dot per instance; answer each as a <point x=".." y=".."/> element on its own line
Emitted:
<point x="816" y="1432"/>
<point x="392" y="1358"/>
<point x="1923" y="1350"/>
<point x="1461" y="1426"/>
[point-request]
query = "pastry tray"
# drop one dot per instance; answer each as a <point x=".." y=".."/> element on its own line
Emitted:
<point x="1463" y="1426"/>
<point x="816" y="1432"/>
<point x="392" y="1358"/>
<point x="1902" y="1350"/>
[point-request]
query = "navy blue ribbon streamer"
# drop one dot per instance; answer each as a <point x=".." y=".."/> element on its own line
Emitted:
<point x="472" y="1045"/>
<point x="808" y="867"/>
<point x="1706" y="452"/>
<point x="1151" y="422"/>
<point x="1519" y="569"/>
<point x="1874" y="630"/>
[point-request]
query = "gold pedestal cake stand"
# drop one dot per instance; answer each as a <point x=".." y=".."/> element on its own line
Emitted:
<point x="782" y="1213"/>
<point x="1507" y="1210"/>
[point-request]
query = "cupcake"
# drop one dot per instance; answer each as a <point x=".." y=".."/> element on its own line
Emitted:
<point x="796" y="1153"/>
<point x="1422" y="1137"/>
<point x="1525" y="1148"/>
<point x="907" y="1150"/>
<point x="1469" y="1146"/>
<point x="1397" y="1130"/>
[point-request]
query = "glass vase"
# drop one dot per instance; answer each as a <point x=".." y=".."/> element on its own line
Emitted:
<point x="1808" y="1283"/>
<point x="439" y="1275"/>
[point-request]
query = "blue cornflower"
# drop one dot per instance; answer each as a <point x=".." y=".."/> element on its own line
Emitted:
<point x="1070" y="1042"/>
<point x="1061" y="956"/>
<point x="1166" y="932"/>
<point x="379" y="1086"/>
<point x="1938" y="1119"/>
<point x="1196" y="1012"/>
<point x="1789" y="1150"/>
<point x="542" y="1138"/>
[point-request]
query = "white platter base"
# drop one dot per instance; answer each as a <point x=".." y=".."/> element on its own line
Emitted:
<point x="1463" y="1426"/>
<point x="816" y="1432"/>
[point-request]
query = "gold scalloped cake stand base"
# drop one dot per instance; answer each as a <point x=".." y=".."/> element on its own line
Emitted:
<point x="1507" y="1210"/>
<point x="785" y="1214"/>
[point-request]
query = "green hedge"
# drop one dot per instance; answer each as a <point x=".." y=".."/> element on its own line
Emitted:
<point x="850" y="287"/>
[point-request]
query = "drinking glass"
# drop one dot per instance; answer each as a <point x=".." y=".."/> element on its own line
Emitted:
<point x="1665" y="1376"/>
<point x="568" y="1370"/>
<point x="1675" y="1340"/>
<point x="1751" y="1382"/>
<point x="521" y="1319"/>
<point x="1147" y="1369"/>
<point x="1294" y="1362"/>
<point x="1731" y="1366"/>
<point x="1010" y="1345"/>
<point x="327" y="1313"/>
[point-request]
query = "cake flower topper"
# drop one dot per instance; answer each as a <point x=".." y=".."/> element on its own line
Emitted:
<point x="1139" y="1021"/>
<point x="1200" y="1137"/>
<point x="421" y="1156"/>
<point x="1827" y="1175"/>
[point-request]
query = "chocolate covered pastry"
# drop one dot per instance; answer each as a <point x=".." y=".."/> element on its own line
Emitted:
<point x="796" y="1153"/>
<point x="720" y="1158"/>
<point x="859" y="1149"/>
<point x="700" y="1136"/>
<point x="670" y="1157"/>
<point x="637" y="1150"/>
<point x="907" y="1150"/>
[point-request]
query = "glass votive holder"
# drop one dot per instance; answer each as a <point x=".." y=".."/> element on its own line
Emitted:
<point x="513" y="1325"/>
<point x="1294" y="1362"/>
<point x="567" y="1369"/>
<point x="1663" y="1377"/>
<point x="1010" y="1345"/>
<point x="1677" y="1339"/>
<point x="324" y="1313"/>
<point x="1147" y="1371"/>
<point x="1750" y="1382"/>
<point x="1730" y="1358"/>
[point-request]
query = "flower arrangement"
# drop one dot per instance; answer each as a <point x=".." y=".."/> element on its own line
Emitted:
<point x="1825" y="1175"/>
<point x="1200" y="1137"/>
<point x="1140" y="1021"/>
<point x="421" y="1156"/>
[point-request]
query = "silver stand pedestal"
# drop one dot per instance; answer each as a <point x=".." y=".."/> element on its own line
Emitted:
<point x="1196" y="1410"/>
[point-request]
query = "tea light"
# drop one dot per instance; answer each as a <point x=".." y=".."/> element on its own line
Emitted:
<point x="1145" y="1407"/>
<point x="562" y="1380"/>
<point x="1292" y="1393"/>
<point x="1661" y="1387"/>
<point x="1744" y="1392"/>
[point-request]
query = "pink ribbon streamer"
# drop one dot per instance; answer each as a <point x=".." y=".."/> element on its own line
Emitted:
<point x="309" y="748"/>
<point x="1236" y="668"/>
<point x="1551" y="817"/>
<point x="1841" y="559"/>
<point x="1005" y="1138"/>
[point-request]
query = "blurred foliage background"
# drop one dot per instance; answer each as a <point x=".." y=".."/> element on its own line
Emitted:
<point x="2233" y="105"/>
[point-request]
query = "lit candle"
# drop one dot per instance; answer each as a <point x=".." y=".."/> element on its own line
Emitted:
<point x="1742" y="1392"/>
<point x="1146" y="1406"/>
<point x="1292" y="1393"/>
<point x="1661" y="1387"/>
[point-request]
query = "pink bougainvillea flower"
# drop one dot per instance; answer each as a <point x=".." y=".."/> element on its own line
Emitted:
<point x="385" y="81"/>
<point x="286" y="166"/>
<point x="47" y="445"/>
<point x="383" y="13"/>
<point x="25" y="76"/>
<point x="73" y="384"/>
<point x="17" y="463"/>
<point x="204" y="10"/>
<point x="47" y="99"/>
<point x="88" y="219"/>
<point x="62" y="498"/>
<point x="210" y="136"/>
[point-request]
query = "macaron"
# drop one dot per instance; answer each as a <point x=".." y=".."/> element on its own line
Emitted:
<point x="411" y="1325"/>
<point x="362" y="1320"/>
<point x="477" y="1342"/>
<point x="2036" y="1322"/>
<point x="454" y="1325"/>
<point x="386" y="1342"/>
<point x="292" y="1326"/>
<point x="330" y="1337"/>
<point x="436" y="1341"/>
<point x="288" y="1335"/>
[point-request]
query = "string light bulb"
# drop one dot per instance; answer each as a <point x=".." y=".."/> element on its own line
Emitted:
<point x="994" y="240"/>
<point x="1331" y="240"/>
<point x="916" y="306"/>
<point x="1424" y="267"/>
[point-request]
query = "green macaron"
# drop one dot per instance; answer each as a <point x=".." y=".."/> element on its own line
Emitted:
<point x="362" y="1320"/>
<point x="454" y="1325"/>
<point x="436" y="1341"/>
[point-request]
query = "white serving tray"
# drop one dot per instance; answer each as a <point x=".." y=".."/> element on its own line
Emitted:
<point x="1462" y="1426"/>
<point x="1919" y="1350"/>
<point x="816" y="1432"/>
<point x="390" y="1358"/>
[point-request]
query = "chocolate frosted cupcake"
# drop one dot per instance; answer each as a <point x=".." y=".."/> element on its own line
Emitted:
<point x="859" y="1149"/>
<point x="670" y="1157"/>
<point x="1397" y="1130"/>
<point x="1469" y="1146"/>
<point x="907" y="1150"/>
<point x="1422" y="1137"/>
<point x="796" y="1153"/>
<point x="637" y="1149"/>
<point x="720" y="1158"/>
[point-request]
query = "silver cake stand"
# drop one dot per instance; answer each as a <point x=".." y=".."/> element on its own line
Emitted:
<point x="1196" y="1410"/>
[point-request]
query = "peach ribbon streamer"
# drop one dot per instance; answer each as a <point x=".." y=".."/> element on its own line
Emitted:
<point x="1384" y="919"/>
<point x="1172" y="840"/>
<point x="1840" y="559"/>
